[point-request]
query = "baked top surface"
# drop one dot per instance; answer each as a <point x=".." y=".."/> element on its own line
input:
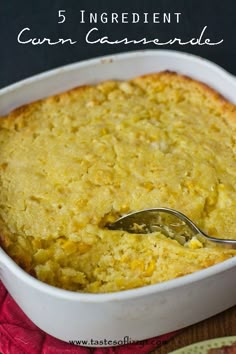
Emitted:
<point x="72" y="162"/>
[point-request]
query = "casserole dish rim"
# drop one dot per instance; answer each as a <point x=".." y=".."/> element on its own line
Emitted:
<point x="110" y="59"/>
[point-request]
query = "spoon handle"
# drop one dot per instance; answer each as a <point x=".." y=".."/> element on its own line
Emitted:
<point x="220" y="241"/>
<point x="223" y="242"/>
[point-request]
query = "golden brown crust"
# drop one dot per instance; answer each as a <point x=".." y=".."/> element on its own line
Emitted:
<point x="219" y="99"/>
<point x="223" y="104"/>
<point x="27" y="108"/>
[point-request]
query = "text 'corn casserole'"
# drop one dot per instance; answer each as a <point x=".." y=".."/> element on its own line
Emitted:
<point x="75" y="161"/>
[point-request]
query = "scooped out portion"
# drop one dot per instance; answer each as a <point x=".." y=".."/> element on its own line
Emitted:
<point x="71" y="163"/>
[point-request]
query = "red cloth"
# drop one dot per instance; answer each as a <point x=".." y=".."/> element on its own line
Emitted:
<point x="18" y="335"/>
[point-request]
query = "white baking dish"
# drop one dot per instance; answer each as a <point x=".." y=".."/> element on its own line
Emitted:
<point x="133" y="314"/>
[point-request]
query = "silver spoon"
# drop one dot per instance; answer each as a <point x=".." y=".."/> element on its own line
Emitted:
<point x="171" y="222"/>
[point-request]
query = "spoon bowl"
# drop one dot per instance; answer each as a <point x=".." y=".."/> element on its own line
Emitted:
<point x="172" y="223"/>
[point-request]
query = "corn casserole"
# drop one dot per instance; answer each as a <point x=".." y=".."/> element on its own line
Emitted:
<point x="71" y="163"/>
